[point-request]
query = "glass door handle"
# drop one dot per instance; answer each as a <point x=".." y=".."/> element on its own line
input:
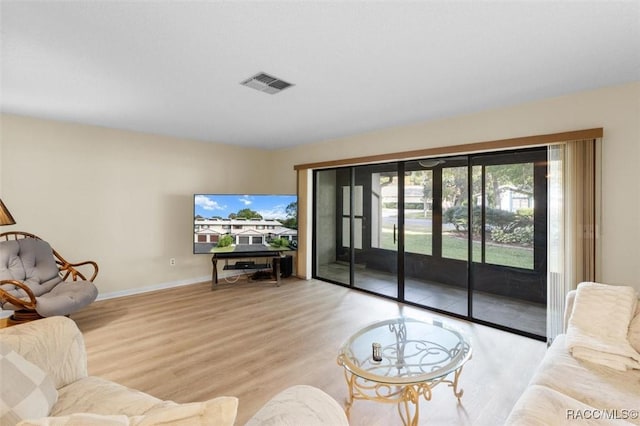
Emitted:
<point x="394" y="233"/>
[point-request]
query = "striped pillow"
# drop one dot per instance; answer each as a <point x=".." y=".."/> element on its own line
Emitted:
<point x="26" y="392"/>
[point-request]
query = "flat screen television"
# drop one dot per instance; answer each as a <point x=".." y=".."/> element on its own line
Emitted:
<point x="225" y="223"/>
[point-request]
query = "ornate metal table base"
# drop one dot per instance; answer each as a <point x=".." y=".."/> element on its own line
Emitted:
<point x="400" y="361"/>
<point x="406" y="396"/>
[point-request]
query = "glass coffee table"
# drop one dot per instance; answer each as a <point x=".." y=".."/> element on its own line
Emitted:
<point x="402" y="359"/>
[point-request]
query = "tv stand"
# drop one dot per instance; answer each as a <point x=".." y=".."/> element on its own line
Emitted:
<point x="273" y="255"/>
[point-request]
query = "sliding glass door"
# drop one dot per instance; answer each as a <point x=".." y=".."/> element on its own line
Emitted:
<point x="464" y="235"/>
<point x="509" y="271"/>
<point x="375" y="217"/>
<point x="331" y="248"/>
<point x="436" y="248"/>
<point x="356" y="227"/>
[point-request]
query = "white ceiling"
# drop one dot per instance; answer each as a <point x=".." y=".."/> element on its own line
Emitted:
<point x="174" y="67"/>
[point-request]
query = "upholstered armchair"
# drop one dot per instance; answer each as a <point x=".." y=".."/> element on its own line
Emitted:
<point x="36" y="281"/>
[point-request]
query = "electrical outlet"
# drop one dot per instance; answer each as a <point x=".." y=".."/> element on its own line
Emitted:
<point x="172" y="261"/>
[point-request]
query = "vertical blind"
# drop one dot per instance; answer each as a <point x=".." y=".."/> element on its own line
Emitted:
<point x="573" y="214"/>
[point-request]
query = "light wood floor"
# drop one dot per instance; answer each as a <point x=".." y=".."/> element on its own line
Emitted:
<point x="518" y="314"/>
<point x="252" y="340"/>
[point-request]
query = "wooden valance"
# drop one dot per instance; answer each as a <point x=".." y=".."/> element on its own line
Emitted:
<point x="521" y="142"/>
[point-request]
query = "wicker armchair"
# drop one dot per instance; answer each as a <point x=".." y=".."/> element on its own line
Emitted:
<point x="36" y="281"/>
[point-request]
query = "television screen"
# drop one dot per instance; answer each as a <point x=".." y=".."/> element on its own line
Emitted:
<point x="253" y="222"/>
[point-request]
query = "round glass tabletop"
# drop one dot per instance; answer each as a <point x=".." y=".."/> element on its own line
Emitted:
<point x="405" y="350"/>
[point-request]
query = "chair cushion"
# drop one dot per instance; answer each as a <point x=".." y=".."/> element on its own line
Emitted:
<point x="66" y="298"/>
<point x="25" y="390"/>
<point x="31" y="261"/>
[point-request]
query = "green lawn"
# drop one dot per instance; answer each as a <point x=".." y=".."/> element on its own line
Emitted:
<point x="457" y="248"/>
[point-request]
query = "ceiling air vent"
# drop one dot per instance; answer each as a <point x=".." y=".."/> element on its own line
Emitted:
<point x="266" y="83"/>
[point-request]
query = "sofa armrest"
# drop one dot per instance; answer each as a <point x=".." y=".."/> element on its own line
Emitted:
<point x="54" y="344"/>
<point x="219" y="411"/>
<point x="300" y="405"/>
<point x="568" y="307"/>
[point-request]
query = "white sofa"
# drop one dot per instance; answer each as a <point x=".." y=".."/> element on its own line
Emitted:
<point x="566" y="390"/>
<point x="44" y="381"/>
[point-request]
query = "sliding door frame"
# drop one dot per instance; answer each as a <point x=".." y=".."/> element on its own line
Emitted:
<point x="304" y="171"/>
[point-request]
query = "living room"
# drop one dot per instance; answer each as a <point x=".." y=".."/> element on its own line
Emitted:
<point x="124" y="197"/>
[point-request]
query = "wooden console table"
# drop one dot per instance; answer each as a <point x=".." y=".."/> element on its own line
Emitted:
<point x="274" y="256"/>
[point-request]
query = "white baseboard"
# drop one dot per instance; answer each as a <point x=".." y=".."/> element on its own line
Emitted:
<point x="154" y="287"/>
<point x="140" y="290"/>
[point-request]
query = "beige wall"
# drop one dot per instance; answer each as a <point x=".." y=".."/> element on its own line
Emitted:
<point x="121" y="198"/>
<point x="616" y="109"/>
<point x="125" y="198"/>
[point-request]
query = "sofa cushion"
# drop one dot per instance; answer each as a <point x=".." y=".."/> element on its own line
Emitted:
<point x="54" y="344"/>
<point x="595" y="385"/>
<point x="599" y="325"/>
<point x="79" y="419"/>
<point x="25" y="390"/>
<point x="634" y="330"/>
<point x="305" y="405"/>
<point x="542" y="406"/>
<point x="100" y="396"/>
<point x="218" y="411"/>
